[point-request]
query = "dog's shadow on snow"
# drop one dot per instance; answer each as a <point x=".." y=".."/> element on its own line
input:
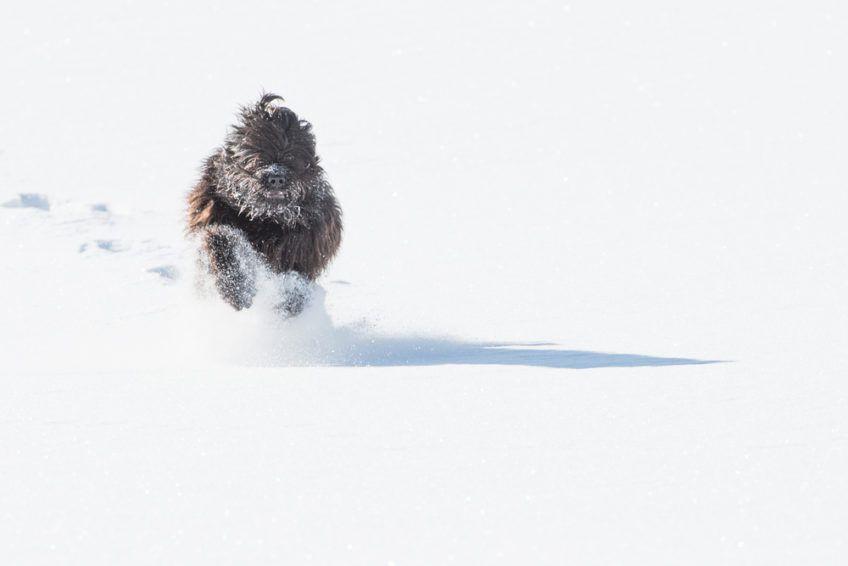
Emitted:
<point x="318" y="342"/>
<point x="258" y="337"/>
<point x="387" y="351"/>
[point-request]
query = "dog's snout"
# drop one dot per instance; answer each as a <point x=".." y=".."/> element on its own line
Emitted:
<point x="275" y="176"/>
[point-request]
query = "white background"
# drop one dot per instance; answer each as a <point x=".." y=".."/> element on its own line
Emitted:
<point x="554" y="212"/>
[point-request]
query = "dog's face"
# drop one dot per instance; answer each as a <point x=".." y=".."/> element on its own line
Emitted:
<point x="269" y="165"/>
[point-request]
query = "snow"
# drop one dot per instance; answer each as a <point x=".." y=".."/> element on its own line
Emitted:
<point x="589" y="307"/>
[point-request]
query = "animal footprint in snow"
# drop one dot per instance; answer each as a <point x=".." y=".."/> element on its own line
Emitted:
<point x="169" y="273"/>
<point x="106" y="245"/>
<point x="28" y="200"/>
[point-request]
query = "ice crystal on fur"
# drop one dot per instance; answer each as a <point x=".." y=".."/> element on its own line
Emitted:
<point x="302" y="204"/>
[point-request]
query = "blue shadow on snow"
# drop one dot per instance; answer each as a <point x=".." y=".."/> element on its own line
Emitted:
<point x="412" y="351"/>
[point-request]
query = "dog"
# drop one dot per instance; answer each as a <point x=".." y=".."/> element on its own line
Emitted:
<point x="263" y="193"/>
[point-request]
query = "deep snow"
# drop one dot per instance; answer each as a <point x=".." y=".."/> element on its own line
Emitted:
<point x="589" y="307"/>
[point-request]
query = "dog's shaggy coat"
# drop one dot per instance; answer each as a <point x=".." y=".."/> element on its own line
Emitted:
<point x="264" y="189"/>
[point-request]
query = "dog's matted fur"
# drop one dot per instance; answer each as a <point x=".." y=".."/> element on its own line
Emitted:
<point x="264" y="189"/>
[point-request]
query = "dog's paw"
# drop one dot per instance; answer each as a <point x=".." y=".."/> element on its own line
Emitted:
<point x="292" y="305"/>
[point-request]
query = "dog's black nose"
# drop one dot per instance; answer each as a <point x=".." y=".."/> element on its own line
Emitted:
<point x="276" y="181"/>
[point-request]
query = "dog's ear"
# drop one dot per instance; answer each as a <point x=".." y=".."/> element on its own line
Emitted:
<point x="268" y="103"/>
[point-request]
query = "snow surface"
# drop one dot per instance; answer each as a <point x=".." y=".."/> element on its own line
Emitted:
<point x="590" y="305"/>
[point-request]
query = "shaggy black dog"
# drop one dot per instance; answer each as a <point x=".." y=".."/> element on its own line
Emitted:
<point x="263" y="192"/>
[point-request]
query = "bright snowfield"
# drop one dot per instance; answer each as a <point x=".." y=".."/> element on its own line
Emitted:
<point x="590" y="307"/>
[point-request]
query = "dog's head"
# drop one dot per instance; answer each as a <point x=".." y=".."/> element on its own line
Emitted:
<point x="269" y="165"/>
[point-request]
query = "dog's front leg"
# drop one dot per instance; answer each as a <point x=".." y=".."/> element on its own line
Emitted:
<point x="230" y="265"/>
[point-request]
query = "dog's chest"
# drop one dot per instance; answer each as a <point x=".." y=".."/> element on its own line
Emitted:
<point x="285" y="250"/>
